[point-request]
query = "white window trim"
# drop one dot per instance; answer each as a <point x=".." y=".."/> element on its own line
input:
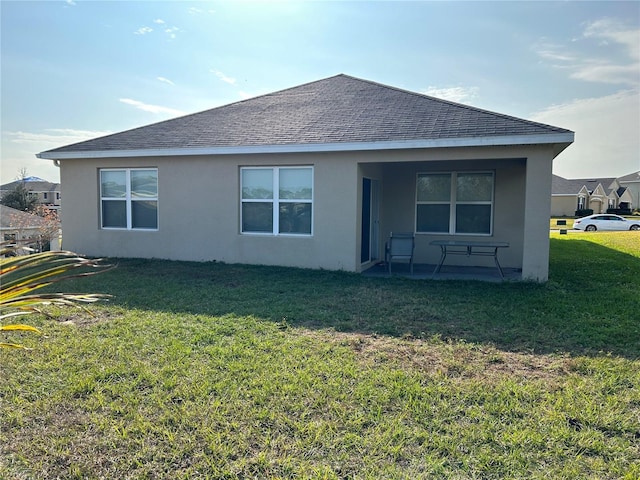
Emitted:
<point x="275" y="200"/>
<point x="453" y="203"/>
<point x="582" y="201"/>
<point x="128" y="199"/>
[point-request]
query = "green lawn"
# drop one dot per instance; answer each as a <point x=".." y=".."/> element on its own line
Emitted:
<point x="553" y="223"/>
<point x="227" y="371"/>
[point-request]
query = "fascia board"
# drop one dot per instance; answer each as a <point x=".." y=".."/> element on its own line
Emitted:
<point x="554" y="138"/>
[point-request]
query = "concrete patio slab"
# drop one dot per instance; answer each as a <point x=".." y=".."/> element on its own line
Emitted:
<point x="447" y="272"/>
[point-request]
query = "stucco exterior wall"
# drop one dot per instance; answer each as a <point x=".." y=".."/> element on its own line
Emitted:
<point x="627" y="197"/>
<point x="199" y="207"/>
<point x="564" y="205"/>
<point x="537" y="205"/>
<point x="199" y="213"/>
<point x="633" y="188"/>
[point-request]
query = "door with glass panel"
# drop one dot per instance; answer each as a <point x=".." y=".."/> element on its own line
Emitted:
<point x="370" y="221"/>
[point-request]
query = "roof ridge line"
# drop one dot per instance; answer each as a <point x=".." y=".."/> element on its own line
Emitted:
<point x="202" y="111"/>
<point x="450" y="102"/>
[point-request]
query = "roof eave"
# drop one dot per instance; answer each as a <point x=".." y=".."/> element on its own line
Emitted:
<point x="561" y="140"/>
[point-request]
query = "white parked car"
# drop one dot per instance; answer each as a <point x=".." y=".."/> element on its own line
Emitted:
<point x="605" y="221"/>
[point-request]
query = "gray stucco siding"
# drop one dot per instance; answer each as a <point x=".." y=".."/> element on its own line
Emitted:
<point x="199" y="206"/>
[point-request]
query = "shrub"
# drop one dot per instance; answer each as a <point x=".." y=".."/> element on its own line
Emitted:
<point x="585" y="212"/>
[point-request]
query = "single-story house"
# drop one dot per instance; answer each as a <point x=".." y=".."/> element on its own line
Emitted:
<point x="29" y="230"/>
<point x="597" y="194"/>
<point x="315" y="176"/>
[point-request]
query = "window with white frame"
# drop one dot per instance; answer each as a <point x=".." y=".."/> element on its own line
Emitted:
<point x="455" y="203"/>
<point x="276" y="200"/>
<point x="129" y="198"/>
<point x="581" y="202"/>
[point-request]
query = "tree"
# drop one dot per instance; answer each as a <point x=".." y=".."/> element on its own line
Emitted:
<point x="19" y="198"/>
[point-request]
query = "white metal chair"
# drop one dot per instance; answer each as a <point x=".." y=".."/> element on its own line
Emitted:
<point x="400" y="247"/>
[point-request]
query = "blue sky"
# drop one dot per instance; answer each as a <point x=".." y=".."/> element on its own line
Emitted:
<point x="73" y="70"/>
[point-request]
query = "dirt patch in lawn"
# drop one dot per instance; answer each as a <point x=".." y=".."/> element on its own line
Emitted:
<point x="84" y="317"/>
<point x="452" y="359"/>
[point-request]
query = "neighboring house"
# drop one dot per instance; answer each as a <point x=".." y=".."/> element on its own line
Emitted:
<point x="597" y="194"/>
<point x="632" y="183"/>
<point x="47" y="193"/>
<point x="28" y="229"/>
<point x="315" y="176"/>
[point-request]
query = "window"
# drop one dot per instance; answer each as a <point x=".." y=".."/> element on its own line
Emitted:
<point x="45" y="196"/>
<point x="276" y="200"/>
<point x="581" y="203"/>
<point x="129" y="198"/>
<point x="454" y="203"/>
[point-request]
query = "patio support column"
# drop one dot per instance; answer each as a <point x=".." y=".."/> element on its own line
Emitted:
<point x="537" y="208"/>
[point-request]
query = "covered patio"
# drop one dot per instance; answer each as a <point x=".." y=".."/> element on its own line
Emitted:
<point x="425" y="271"/>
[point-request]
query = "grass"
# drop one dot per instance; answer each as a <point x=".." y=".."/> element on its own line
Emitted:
<point x="227" y="371"/>
<point x="553" y="223"/>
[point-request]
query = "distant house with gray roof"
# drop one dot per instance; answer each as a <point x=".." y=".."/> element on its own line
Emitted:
<point x="47" y="193"/>
<point x="29" y="230"/>
<point x="632" y="183"/>
<point x="598" y="194"/>
<point x="315" y="176"/>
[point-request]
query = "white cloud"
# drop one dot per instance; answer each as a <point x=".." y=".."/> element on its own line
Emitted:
<point x="143" y="30"/>
<point x="156" y="109"/>
<point x="53" y="136"/>
<point x="603" y="72"/>
<point x="165" y="80"/>
<point x="223" y="77"/>
<point x="171" y="32"/>
<point x="615" y="31"/>
<point x="19" y="150"/>
<point x="194" y="10"/>
<point x="71" y="2"/>
<point x="199" y="11"/>
<point x="606" y="135"/>
<point x="553" y="51"/>
<point x="453" y="94"/>
<point x="598" y="65"/>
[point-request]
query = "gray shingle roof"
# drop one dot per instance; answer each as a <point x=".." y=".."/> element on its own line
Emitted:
<point x="335" y="110"/>
<point x="33" y="186"/>
<point x="632" y="177"/>
<point x="564" y="186"/>
<point x="10" y="217"/>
